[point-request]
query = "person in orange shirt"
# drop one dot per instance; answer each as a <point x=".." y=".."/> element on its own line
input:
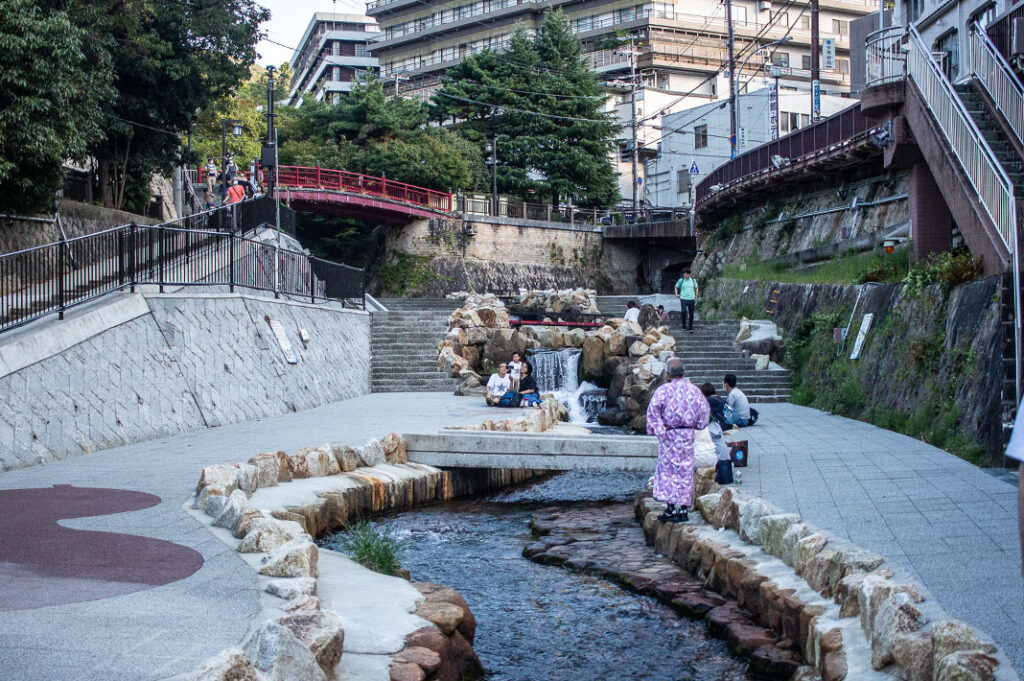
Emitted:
<point x="235" y="194"/>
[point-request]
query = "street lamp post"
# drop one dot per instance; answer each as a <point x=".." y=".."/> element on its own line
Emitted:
<point x="236" y="131"/>
<point x="735" y="90"/>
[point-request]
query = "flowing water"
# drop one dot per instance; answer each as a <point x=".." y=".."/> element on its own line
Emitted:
<point x="542" y="623"/>
<point x="557" y="371"/>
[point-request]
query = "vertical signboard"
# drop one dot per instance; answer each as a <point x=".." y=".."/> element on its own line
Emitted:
<point x="828" y="53"/>
<point x="773" y="110"/>
<point x="815" y="101"/>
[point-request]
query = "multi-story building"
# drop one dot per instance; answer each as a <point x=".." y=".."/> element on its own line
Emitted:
<point x="681" y="46"/>
<point x="700" y="137"/>
<point x="333" y="50"/>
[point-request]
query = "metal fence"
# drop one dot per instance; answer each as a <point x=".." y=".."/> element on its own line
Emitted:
<point x="207" y="249"/>
<point x="357" y="183"/>
<point x="884" y="58"/>
<point x="1000" y="31"/>
<point x="839" y="130"/>
<point x="479" y="204"/>
<point x="991" y="69"/>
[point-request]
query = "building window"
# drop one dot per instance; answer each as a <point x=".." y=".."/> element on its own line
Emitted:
<point x="805" y="23"/>
<point x="780" y="18"/>
<point x="805" y="119"/>
<point x="682" y="181"/>
<point x="914" y="9"/>
<point x="984" y="16"/>
<point x="844" y="65"/>
<point x="805" y="61"/>
<point x="700" y="136"/>
<point x="840" y="27"/>
<point x="948" y="47"/>
<point x="360" y="50"/>
<point x="780" y="58"/>
<point x="335" y="47"/>
<point x="739" y="15"/>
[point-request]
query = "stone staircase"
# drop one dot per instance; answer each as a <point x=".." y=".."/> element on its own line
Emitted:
<point x="403" y="345"/>
<point x="709" y="353"/>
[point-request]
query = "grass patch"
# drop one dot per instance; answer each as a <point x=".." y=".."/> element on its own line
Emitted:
<point x="376" y="547"/>
<point x="849" y="269"/>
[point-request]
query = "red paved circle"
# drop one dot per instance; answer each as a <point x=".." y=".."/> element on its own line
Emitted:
<point x="42" y="563"/>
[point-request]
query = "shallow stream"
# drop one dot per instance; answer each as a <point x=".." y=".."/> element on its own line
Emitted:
<point x="541" y="623"/>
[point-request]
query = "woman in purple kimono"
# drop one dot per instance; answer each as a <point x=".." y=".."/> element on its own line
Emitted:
<point x="677" y="409"/>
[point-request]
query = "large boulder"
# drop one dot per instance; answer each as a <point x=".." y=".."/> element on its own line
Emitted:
<point x="266" y="535"/>
<point x="277" y="652"/>
<point x="500" y="346"/>
<point x="648" y="316"/>
<point x="236" y="506"/>
<point x="230" y="664"/>
<point x="372" y="453"/>
<point x="322" y="633"/>
<point x="592" y="359"/>
<point x="297" y="558"/>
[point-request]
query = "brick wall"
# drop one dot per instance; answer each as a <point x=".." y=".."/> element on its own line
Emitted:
<point x="185" y="363"/>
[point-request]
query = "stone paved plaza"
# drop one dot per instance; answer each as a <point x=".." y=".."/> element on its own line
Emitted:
<point x="951" y="524"/>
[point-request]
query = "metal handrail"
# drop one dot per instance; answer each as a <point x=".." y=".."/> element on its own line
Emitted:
<point x="983" y="171"/>
<point x="991" y="69"/>
<point x="884" y="58"/>
<point x="345" y="181"/>
<point x="986" y="175"/>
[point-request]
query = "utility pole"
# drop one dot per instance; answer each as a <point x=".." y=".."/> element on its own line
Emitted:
<point x="399" y="76"/>
<point x="733" y="106"/>
<point x="815" y="67"/>
<point x="633" y="53"/>
<point x="495" y="200"/>
<point x="272" y="175"/>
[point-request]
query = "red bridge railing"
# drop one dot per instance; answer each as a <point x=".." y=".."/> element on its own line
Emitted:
<point x="298" y="177"/>
<point x="829" y="133"/>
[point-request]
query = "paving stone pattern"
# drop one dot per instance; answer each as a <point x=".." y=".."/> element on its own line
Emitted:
<point x="194" y="361"/>
<point x="157" y="633"/>
<point x="950" y="523"/>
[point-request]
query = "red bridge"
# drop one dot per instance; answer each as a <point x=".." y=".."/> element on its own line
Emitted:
<point x="339" y="192"/>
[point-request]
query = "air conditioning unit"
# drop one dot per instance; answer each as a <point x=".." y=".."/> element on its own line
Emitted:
<point x="764" y="6"/>
<point x="1017" y="43"/>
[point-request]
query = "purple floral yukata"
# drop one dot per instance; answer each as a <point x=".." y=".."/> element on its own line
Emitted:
<point x="676" y="409"/>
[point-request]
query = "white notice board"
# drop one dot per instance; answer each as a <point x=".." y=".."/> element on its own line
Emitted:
<point x="282" y="339"/>
<point x="865" y="326"/>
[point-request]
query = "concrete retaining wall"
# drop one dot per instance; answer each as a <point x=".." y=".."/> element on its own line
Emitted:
<point x="501" y="255"/>
<point x="78" y="219"/>
<point x="139" y="366"/>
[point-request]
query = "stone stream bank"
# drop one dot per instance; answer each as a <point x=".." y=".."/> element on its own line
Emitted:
<point x="931" y="365"/>
<point x="272" y="507"/>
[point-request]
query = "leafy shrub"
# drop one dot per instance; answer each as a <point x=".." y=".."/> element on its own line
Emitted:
<point x="408" y="274"/>
<point x="950" y="268"/>
<point x="373" y="546"/>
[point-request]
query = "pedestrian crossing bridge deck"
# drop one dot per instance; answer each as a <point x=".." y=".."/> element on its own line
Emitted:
<point x="546" y="451"/>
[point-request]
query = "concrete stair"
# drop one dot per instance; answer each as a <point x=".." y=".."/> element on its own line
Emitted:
<point x="404" y="345"/>
<point x="710" y="352"/>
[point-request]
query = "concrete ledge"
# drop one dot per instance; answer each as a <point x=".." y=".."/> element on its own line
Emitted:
<point x="539" y="224"/>
<point x="51" y="336"/>
<point x="534" y="451"/>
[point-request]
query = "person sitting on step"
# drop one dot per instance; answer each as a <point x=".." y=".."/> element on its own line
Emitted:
<point x="528" y="387"/>
<point x="716" y="403"/>
<point x="737" y="408"/>
<point x="497" y="385"/>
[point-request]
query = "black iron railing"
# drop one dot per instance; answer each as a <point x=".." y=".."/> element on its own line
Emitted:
<point x="1000" y="31"/>
<point x="206" y="249"/>
<point x="838" y="130"/>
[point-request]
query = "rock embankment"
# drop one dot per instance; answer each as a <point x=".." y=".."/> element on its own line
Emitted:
<point x="275" y="504"/>
<point x="851" y="614"/>
<point x="608" y="542"/>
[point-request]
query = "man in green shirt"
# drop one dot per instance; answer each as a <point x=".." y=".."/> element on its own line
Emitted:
<point x="686" y="289"/>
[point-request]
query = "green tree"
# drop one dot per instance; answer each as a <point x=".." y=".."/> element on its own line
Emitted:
<point x="367" y="132"/>
<point x="171" y="60"/>
<point x="571" y="147"/>
<point x="49" y="93"/>
<point x="545" y="107"/>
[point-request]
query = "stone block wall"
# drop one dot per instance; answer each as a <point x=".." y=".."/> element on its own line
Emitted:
<point x="136" y="367"/>
<point x="78" y="219"/>
<point x="503" y="255"/>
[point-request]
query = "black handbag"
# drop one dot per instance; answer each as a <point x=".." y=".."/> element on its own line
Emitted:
<point x="723" y="472"/>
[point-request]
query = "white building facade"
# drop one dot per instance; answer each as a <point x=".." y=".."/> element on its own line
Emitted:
<point x="333" y="52"/>
<point x="700" y="136"/>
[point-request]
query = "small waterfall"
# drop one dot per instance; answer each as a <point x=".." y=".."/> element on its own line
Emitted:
<point x="557" y="371"/>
